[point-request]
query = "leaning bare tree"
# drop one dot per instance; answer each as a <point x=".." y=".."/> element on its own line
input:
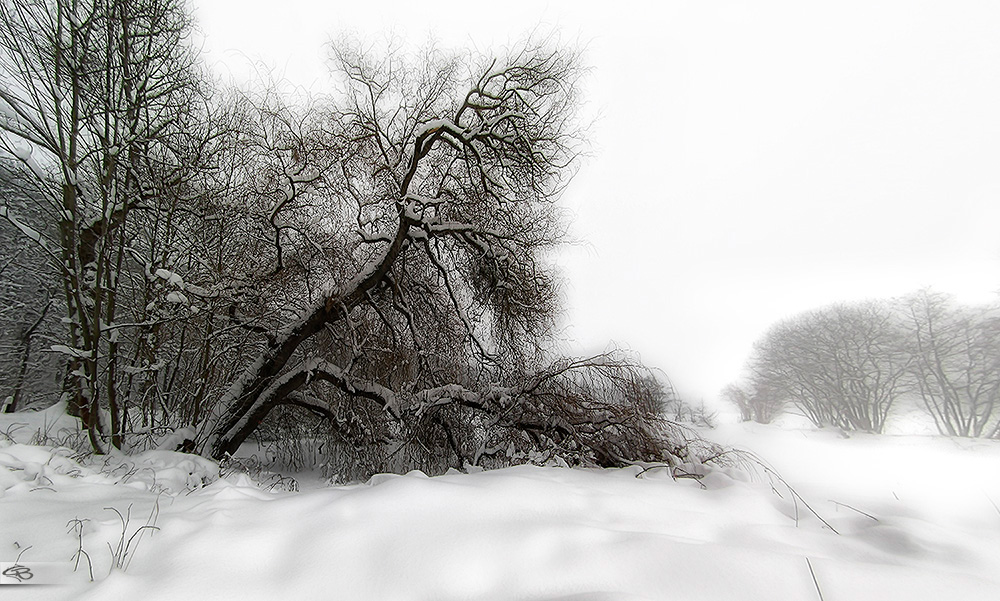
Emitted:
<point x="435" y="178"/>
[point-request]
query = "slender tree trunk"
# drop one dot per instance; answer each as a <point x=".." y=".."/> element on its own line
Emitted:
<point x="22" y="371"/>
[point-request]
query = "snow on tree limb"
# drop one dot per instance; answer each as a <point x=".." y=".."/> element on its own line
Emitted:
<point x="32" y="234"/>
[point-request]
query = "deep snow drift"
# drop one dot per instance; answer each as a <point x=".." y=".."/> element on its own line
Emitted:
<point x="916" y="518"/>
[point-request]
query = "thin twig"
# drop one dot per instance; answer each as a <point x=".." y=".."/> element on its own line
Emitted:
<point x="815" y="581"/>
<point x="77" y="524"/>
<point x="854" y="509"/>
<point x="154" y="513"/>
<point x="772" y="473"/>
<point x="990" y="499"/>
<point x="18" y="560"/>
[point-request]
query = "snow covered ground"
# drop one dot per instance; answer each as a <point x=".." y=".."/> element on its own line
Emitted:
<point x="916" y="516"/>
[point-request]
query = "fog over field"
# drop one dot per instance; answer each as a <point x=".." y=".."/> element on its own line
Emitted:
<point x="544" y="301"/>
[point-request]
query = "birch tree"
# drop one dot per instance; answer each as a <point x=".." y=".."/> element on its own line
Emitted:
<point x="92" y="90"/>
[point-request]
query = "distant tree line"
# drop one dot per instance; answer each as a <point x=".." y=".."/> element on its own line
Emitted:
<point x="366" y="267"/>
<point x="848" y="365"/>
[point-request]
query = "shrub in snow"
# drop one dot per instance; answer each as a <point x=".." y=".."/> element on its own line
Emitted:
<point x="849" y="365"/>
<point x="842" y="365"/>
<point x="601" y="412"/>
<point x="955" y="363"/>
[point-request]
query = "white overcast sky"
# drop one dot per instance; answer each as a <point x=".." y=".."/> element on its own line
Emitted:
<point x="751" y="160"/>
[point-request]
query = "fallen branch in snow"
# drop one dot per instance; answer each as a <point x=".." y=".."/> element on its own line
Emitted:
<point x="678" y="472"/>
<point x="754" y="462"/>
<point x="991" y="502"/>
<point x="815" y="581"/>
<point x="254" y="469"/>
<point x="868" y="515"/>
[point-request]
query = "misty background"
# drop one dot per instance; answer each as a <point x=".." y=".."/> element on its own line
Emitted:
<point x="747" y="162"/>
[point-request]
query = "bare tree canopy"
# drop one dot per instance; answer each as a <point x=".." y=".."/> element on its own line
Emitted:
<point x="848" y="365"/>
<point x="841" y="366"/>
<point x="371" y="261"/>
<point x="956" y="363"/>
<point x="757" y="400"/>
<point x="447" y="173"/>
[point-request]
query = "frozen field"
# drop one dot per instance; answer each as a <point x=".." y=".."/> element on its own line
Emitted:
<point x="917" y="519"/>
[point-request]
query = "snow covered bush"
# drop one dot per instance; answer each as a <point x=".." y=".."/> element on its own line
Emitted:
<point x="603" y="411"/>
<point x="848" y="365"/>
<point x="757" y="399"/>
<point x="955" y="363"/>
<point x="842" y="365"/>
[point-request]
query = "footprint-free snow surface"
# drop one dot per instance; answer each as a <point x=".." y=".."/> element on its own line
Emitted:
<point x="903" y="517"/>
